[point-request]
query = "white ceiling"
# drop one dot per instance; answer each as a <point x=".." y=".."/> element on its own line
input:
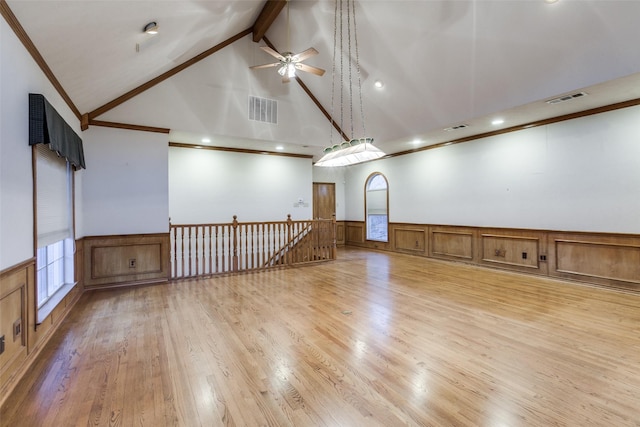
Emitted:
<point x="442" y="62"/>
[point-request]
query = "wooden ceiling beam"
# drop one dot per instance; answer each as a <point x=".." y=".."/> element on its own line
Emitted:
<point x="164" y="76"/>
<point x="313" y="98"/>
<point x="269" y="13"/>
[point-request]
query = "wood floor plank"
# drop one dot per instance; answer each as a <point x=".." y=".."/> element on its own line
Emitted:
<point x="372" y="339"/>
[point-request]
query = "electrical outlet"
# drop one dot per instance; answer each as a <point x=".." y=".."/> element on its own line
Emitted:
<point x="132" y="263"/>
<point x="524" y="255"/>
<point x="543" y="258"/>
<point x="17" y="329"/>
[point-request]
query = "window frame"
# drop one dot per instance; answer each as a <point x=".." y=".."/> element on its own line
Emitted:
<point x="66" y="261"/>
<point x="368" y="227"/>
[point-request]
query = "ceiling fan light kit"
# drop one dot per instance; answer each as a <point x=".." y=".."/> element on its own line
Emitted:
<point x="289" y="62"/>
<point x="356" y="150"/>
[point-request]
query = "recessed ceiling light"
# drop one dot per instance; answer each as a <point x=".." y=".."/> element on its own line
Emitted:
<point x="550" y="1"/>
<point x="497" y="122"/>
<point x="280" y="147"/>
<point x="206" y="140"/>
<point x="151" y="28"/>
<point x="416" y="141"/>
<point x="379" y="84"/>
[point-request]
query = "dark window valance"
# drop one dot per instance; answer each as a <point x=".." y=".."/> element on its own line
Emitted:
<point x="46" y="126"/>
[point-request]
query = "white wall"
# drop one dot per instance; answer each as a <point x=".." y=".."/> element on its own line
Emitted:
<point x="578" y="175"/>
<point x="208" y="186"/>
<point x="336" y="176"/>
<point x="125" y="186"/>
<point x="19" y="76"/>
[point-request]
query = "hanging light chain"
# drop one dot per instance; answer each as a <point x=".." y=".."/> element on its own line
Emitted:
<point x="355" y="37"/>
<point x="349" y="2"/>
<point x="341" y="69"/>
<point x="333" y="72"/>
<point x="345" y="39"/>
<point x="356" y="150"/>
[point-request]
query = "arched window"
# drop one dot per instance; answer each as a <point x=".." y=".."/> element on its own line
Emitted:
<point x="376" y="198"/>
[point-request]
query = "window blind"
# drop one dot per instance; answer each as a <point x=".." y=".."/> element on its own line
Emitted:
<point x="53" y="206"/>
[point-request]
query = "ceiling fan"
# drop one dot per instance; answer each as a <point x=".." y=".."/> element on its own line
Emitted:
<point x="290" y="62"/>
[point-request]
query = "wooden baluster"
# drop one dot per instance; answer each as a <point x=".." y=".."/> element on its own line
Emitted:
<point x="271" y="242"/>
<point x="253" y="246"/>
<point x="207" y="247"/>
<point x="197" y="228"/>
<point x="235" y="243"/>
<point x="182" y="251"/>
<point x="190" y="255"/>
<point x="246" y="246"/>
<point x="309" y="244"/>
<point x="264" y="244"/>
<point x="225" y="243"/>
<point x="318" y="240"/>
<point x="217" y="251"/>
<point x="289" y="245"/>
<point x="334" y="233"/>
<point x="210" y="244"/>
<point x="278" y="248"/>
<point x="174" y="267"/>
<point x="238" y="252"/>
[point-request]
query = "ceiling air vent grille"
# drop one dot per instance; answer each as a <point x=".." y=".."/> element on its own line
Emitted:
<point x="456" y="127"/>
<point x="263" y="110"/>
<point x="566" y="98"/>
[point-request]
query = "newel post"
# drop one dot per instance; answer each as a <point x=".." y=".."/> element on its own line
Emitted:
<point x="235" y="243"/>
<point x="289" y="242"/>
<point x="334" y="251"/>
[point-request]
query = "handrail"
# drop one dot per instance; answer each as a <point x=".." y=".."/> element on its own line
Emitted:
<point x="201" y="250"/>
<point x="291" y="241"/>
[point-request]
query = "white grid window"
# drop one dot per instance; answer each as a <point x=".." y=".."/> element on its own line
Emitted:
<point x="377" y="200"/>
<point x="54" y="216"/>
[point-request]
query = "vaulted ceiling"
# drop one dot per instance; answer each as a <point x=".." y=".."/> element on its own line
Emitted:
<point x="442" y="62"/>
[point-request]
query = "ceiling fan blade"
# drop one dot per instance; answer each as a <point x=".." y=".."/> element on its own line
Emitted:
<point x="309" y="69"/>
<point x="272" y="52"/>
<point x="305" y="54"/>
<point x="274" y="64"/>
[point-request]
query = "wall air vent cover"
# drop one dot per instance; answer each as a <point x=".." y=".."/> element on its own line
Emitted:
<point x="263" y="110"/>
<point x="566" y="98"/>
<point x="456" y="127"/>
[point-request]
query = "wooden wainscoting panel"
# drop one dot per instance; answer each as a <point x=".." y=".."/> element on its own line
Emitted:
<point x="410" y="239"/>
<point x="355" y="233"/>
<point x="125" y="260"/>
<point x="13" y="322"/>
<point x="340" y="234"/>
<point x="601" y="259"/>
<point x="452" y="243"/>
<point x="12" y="315"/>
<point x="78" y="264"/>
<point x="511" y="249"/>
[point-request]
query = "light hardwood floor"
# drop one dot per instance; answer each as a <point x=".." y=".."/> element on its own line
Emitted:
<point x="372" y="339"/>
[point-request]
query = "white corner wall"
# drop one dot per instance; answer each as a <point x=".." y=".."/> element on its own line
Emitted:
<point x="211" y="186"/>
<point x="577" y="175"/>
<point x="125" y="186"/>
<point x="19" y="76"/>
